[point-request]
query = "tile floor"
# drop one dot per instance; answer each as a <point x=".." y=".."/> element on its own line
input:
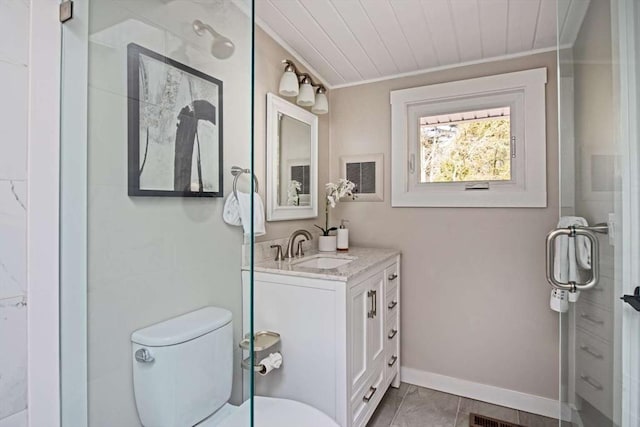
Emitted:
<point x="413" y="406"/>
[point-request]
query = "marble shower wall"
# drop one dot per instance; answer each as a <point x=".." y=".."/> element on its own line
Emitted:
<point x="14" y="30"/>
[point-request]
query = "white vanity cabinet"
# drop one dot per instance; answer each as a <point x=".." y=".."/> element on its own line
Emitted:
<point x="340" y="334"/>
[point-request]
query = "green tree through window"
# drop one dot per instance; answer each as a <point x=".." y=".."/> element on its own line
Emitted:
<point x="474" y="150"/>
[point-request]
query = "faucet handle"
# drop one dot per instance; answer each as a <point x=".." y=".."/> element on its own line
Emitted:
<point x="300" y="252"/>
<point x="279" y="254"/>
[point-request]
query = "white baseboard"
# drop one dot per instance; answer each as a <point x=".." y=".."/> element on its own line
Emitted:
<point x="486" y="393"/>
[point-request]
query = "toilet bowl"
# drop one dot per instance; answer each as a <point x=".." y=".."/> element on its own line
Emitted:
<point x="272" y="412"/>
<point x="183" y="374"/>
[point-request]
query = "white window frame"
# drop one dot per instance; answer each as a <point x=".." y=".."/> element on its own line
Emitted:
<point x="522" y="91"/>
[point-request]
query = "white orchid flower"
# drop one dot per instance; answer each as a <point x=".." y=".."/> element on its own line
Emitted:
<point x="293" y="191"/>
<point x="335" y="192"/>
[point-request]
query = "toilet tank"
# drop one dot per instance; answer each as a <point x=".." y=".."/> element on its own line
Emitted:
<point x="183" y="371"/>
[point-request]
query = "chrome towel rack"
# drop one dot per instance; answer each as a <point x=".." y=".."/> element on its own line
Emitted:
<point x="236" y="171"/>
<point x="588" y="232"/>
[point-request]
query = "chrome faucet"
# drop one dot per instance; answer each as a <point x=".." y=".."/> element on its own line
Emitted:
<point x="292" y="241"/>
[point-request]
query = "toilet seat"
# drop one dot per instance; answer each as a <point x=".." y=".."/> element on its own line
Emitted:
<point x="274" y="412"/>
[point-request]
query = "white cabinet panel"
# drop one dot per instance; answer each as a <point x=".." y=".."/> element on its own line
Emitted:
<point x="375" y="324"/>
<point x="334" y="339"/>
<point x="358" y="308"/>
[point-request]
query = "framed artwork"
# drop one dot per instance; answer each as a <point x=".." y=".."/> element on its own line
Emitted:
<point x="175" y="128"/>
<point x="365" y="171"/>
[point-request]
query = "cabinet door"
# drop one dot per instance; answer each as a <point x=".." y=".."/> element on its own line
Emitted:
<point x="358" y="307"/>
<point x="375" y="324"/>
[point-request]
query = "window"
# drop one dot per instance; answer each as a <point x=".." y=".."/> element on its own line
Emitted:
<point x="478" y="142"/>
<point x="466" y="147"/>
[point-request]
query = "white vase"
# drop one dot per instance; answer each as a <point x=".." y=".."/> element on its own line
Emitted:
<point x="327" y="243"/>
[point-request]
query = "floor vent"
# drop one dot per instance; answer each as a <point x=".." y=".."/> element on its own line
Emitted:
<point x="476" y="420"/>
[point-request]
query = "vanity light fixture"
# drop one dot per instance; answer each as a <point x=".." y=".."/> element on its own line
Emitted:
<point x="289" y="81"/>
<point x="322" y="104"/>
<point x="301" y="85"/>
<point x="306" y="97"/>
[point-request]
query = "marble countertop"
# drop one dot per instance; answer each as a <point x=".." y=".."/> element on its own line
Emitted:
<point x="365" y="258"/>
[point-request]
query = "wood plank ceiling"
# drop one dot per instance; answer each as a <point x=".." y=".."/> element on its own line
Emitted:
<point x="349" y="42"/>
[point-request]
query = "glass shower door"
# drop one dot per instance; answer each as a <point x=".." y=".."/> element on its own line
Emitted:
<point x="157" y="109"/>
<point x="599" y="332"/>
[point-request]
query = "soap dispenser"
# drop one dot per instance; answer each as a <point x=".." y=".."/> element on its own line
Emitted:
<point x="343" y="237"/>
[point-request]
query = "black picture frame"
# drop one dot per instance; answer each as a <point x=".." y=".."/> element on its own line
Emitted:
<point x="186" y="132"/>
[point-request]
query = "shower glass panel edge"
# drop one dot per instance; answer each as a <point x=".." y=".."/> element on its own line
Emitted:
<point x="94" y="186"/>
<point x="598" y="92"/>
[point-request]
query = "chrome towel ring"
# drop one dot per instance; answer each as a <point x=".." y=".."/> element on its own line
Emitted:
<point x="236" y="171"/>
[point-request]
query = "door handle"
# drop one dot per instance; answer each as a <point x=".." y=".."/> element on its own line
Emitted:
<point x="633" y="300"/>
<point x="591" y="319"/>
<point x="392" y="277"/>
<point x="367" y="397"/>
<point x="392" y="334"/>
<point x="375" y="303"/>
<point x="588" y="350"/>
<point x="373" y="312"/>
<point x="587" y="232"/>
<point x="587" y="379"/>
<point x="393" y="360"/>
<point x="392" y="305"/>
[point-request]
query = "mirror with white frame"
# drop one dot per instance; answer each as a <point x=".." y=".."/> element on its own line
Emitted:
<point x="292" y="161"/>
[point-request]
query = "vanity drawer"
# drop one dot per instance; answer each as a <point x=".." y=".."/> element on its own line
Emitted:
<point x="392" y="350"/>
<point x="367" y="397"/>
<point x="602" y="294"/>
<point x="392" y="302"/>
<point x="392" y="332"/>
<point x="594" y="371"/>
<point x="594" y="319"/>
<point x="391" y="277"/>
<point x="594" y="351"/>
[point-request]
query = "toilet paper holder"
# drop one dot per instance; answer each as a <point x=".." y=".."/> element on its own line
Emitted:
<point x="262" y="341"/>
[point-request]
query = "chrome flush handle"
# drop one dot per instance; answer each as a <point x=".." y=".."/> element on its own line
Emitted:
<point x="144" y="356"/>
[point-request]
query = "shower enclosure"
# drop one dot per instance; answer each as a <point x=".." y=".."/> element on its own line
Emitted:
<point x="156" y="110"/>
<point x="598" y="108"/>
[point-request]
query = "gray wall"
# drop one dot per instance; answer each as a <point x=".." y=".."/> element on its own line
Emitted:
<point x="154" y="258"/>
<point x="14" y="69"/>
<point x="474" y="296"/>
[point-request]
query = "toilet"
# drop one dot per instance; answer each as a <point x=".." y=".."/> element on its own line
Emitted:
<point x="183" y="372"/>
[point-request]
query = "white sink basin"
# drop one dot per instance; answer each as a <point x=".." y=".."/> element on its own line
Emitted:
<point x="324" y="262"/>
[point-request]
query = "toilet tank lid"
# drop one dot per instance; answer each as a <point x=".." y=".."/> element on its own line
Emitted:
<point x="182" y="328"/>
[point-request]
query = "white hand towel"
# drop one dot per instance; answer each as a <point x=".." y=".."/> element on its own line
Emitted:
<point x="571" y="252"/>
<point x="231" y="211"/>
<point x="244" y="204"/>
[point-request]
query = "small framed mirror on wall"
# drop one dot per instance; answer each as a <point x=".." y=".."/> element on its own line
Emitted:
<point x="292" y="161"/>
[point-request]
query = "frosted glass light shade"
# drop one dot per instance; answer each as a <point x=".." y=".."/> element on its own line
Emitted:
<point x="322" y="105"/>
<point x="289" y="84"/>
<point x="306" y="97"/>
